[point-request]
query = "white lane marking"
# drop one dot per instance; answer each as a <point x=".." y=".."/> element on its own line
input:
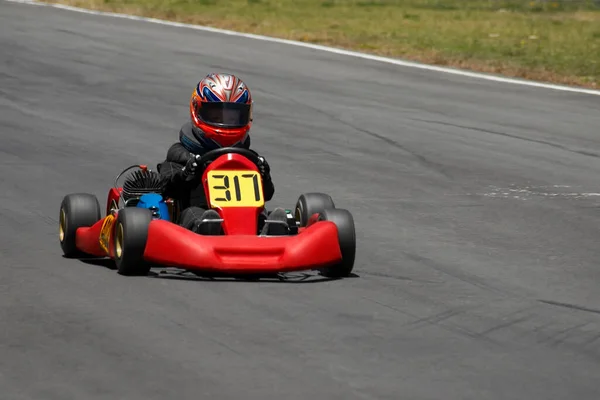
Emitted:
<point x="524" y="193"/>
<point x="322" y="48"/>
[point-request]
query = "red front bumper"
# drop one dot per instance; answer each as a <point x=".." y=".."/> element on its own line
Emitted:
<point x="314" y="247"/>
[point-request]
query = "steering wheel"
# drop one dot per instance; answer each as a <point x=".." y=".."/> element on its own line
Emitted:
<point x="214" y="154"/>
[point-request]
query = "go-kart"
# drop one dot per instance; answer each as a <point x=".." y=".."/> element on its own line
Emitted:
<point x="139" y="229"/>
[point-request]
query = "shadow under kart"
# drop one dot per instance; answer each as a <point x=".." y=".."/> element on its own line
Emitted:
<point x="138" y="232"/>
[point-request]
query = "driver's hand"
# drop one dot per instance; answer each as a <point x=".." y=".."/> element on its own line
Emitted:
<point x="190" y="167"/>
<point x="264" y="167"/>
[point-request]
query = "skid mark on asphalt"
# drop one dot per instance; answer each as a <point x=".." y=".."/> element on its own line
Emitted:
<point x="494" y="318"/>
<point x="507" y="324"/>
<point x="524" y="328"/>
<point x="563" y="334"/>
<point x="435" y="320"/>
<point x="438" y="168"/>
<point x="447" y="270"/>
<point x="544" y="142"/>
<point x="443" y="320"/>
<point x="571" y="306"/>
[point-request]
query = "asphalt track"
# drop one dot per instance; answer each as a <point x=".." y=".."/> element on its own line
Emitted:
<point x="476" y="205"/>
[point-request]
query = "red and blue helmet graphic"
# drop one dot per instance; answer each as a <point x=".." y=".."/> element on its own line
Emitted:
<point x="221" y="107"/>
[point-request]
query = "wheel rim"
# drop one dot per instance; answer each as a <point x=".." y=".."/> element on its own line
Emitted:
<point x="62" y="225"/>
<point x="298" y="215"/>
<point x="119" y="244"/>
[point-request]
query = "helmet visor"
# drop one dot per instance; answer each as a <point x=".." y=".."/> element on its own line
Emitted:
<point x="225" y="115"/>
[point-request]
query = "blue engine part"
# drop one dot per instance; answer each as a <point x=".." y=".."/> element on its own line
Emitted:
<point x="155" y="202"/>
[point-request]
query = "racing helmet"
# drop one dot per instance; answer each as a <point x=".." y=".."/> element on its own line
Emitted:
<point x="221" y="109"/>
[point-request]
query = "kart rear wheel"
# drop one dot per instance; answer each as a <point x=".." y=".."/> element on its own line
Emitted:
<point x="131" y="233"/>
<point x="312" y="203"/>
<point x="77" y="210"/>
<point x="347" y="240"/>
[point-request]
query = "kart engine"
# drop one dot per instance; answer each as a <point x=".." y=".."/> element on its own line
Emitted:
<point x="142" y="182"/>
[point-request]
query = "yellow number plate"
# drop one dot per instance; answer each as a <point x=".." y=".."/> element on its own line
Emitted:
<point x="105" y="231"/>
<point x="235" y="189"/>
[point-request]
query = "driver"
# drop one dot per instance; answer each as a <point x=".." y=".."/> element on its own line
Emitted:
<point x="221" y="116"/>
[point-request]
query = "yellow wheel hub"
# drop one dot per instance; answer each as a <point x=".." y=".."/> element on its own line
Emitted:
<point x="62" y="225"/>
<point x="119" y="242"/>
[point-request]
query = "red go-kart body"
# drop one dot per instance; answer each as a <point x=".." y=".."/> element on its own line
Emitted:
<point x="323" y="238"/>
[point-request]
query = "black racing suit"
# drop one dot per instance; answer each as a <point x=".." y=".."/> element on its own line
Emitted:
<point x="188" y="191"/>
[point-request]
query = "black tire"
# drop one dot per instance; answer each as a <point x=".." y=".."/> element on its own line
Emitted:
<point x="347" y="240"/>
<point x="77" y="210"/>
<point x="131" y="233"/>
<point x="312" y="203"/>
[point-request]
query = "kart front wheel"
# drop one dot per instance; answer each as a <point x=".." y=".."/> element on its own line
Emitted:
<point x="131" y="233"/>
<point x="77" y="210"/>
<point x="347" y="239"/>
<point x="312" y="203"/>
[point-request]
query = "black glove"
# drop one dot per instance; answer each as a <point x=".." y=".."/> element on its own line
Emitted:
<point x="189" y="169"/>
<point x="264" y="168"/>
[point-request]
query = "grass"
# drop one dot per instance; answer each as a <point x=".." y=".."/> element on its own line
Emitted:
<point x="554" y="41"/>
